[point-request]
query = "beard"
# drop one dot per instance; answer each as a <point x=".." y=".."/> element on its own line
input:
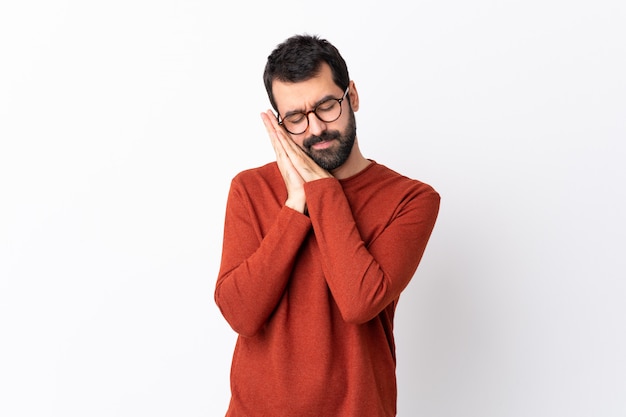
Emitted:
<point x="333" y="157"/>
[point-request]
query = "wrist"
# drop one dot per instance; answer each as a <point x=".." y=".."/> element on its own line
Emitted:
<point x="296" y="204"/>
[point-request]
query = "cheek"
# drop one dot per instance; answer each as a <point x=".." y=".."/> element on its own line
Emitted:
<point x="298" y="139"/>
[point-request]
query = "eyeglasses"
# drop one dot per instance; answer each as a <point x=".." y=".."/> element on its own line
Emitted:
<point x="327" y="111"/>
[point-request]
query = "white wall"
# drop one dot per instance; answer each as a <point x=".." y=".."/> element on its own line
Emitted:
<point x="122" y="122"/>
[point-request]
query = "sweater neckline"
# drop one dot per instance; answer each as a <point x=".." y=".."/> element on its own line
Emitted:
<point x="359" y="174"/>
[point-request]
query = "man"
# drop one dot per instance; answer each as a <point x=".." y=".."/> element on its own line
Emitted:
<point x="317" y="249"/>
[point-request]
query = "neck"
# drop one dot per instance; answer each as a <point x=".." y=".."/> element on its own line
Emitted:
<point x="355" y="163"/>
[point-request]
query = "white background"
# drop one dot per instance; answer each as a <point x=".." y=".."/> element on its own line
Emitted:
<point x="122" y="123"/>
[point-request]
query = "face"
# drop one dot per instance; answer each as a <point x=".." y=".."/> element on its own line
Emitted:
<point x="328" y="144"/>
<point x="332" y="148"/>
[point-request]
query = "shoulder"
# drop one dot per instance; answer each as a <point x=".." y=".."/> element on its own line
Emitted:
<point x="262" y="184"/>
<point x="388" y="181"/>
<point x="265" y="174"/>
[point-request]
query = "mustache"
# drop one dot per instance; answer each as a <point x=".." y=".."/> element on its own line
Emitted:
<point x="325" y="136"/>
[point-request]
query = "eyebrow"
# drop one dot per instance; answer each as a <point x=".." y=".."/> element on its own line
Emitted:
<point x="317" y="103"/>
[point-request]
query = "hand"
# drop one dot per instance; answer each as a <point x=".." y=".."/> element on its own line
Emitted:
<point x="306" y="167"/>
<point x="294" y="182"/>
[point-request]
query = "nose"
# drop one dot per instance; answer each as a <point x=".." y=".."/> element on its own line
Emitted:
<point x="316" y="126"/>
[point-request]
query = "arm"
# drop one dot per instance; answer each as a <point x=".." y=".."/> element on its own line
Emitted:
<point x="255" y="269"/>
<point x="366" y="279"/>
<point x="295" y="166"/>
<point x="363" y="280"/>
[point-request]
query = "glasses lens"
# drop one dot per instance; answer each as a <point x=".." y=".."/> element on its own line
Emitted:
<point x="295" y="123"/>
<point x="328" y="111"/>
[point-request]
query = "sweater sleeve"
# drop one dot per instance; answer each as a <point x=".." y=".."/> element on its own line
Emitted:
<point x="254" y="268"/>
<point x="364" y="279"/>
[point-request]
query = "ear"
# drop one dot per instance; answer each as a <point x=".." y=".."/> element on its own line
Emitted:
<point x="353" y="95"/>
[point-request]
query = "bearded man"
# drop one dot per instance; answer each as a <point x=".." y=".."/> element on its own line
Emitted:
<point x="317" y="247"/>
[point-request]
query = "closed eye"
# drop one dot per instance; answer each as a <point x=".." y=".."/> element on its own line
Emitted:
<point x="326" y="106"/>
<point x="295" y="118"/>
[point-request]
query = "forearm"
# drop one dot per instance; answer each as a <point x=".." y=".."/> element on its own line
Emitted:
<point x="254" y="273"/>
<point x="363" y="277"/>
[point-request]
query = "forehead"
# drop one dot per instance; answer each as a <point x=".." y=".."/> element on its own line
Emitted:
<point x="305" y="94"/>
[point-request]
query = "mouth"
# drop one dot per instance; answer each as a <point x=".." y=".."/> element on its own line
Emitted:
<point x="325" y="144"/>
<point x="321" y="142"/>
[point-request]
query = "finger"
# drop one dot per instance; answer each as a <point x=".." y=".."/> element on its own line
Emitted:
<point x="270" y="120"/>
<point x="279" y="142"/>
<point x="273" y="119"/>
<point x="286" y="148"/>
<point x="272" y="133"/>
<point x="275" y="131"/>
<point x="267" y="122"/>
<point x="267" y="117"/>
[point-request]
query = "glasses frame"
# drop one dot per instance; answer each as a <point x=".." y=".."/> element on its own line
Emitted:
<point x="314" y="111"/>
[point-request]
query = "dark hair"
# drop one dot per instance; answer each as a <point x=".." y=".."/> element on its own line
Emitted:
<point x="299" y="58"/>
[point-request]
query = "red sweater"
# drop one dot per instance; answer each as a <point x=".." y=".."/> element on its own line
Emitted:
<point x="313" y="297"/>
